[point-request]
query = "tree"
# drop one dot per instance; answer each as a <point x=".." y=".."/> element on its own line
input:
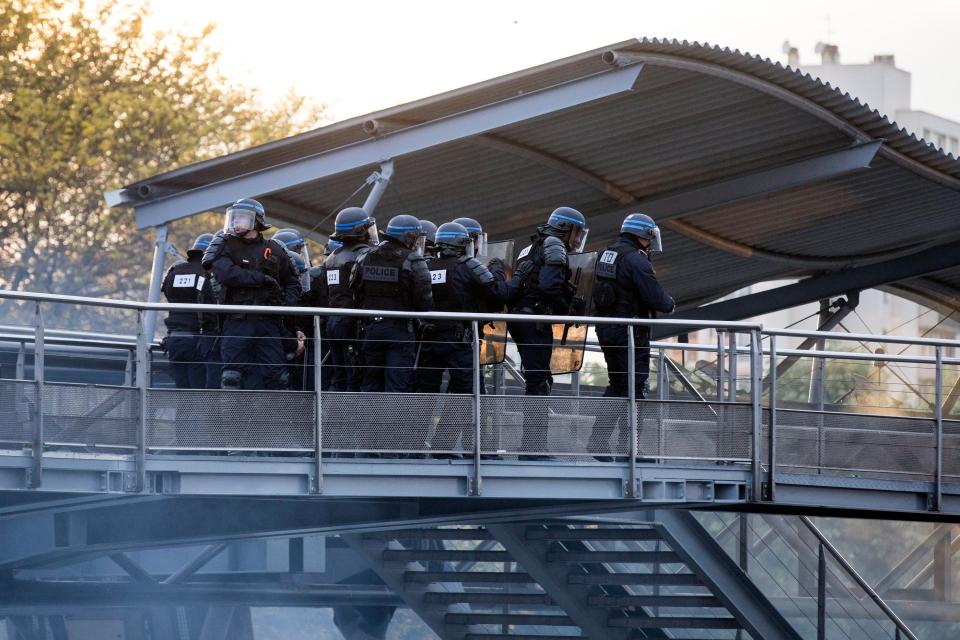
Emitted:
<point x="88" y="103"/>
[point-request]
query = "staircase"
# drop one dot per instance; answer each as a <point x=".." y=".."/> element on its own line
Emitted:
<point x="563" y="580"/>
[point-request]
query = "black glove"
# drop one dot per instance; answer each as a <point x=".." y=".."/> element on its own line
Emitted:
<point x="673" y="306"/>
<point x="496" y="265"/>
<point x="578" y="306"/>
<point x="270" y="282"/>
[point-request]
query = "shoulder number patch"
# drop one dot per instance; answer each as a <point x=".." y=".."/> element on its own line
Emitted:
<point x="333" y="276"/>
<point x="525" y="252"/>
<point x="438" y="277"/>
<point x="186" y="280"/>
<point x="609" y="257"/>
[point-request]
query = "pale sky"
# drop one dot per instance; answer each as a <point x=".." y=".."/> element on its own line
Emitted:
<point x="361" y="56"/>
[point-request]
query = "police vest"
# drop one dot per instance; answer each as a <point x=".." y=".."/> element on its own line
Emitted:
<point x="336" y="274"/>
<point x="610" y="297"/>
<point x="532" y="253"/>
<point x="445" y="297"/>
<point x="382" y="285"/>
<point x="263" y="256"/>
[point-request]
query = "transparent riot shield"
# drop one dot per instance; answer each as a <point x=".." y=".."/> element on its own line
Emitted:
<point x="493" y="347"/>
<point x="570" y="340"/>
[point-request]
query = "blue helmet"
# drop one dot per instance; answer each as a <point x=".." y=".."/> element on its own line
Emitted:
<point x="332" y="245"/>
<point x="353" y="222"/>
<point x="429" y="231"/>
<point x="245" y="215"/>
<point x="643" y="226"/>
<point x="405" y="229"/>
<point x="298" y="262"/>
<point x="567" y="220"/>
<point x="200" y="244"/>
<point x="290" y="238"/>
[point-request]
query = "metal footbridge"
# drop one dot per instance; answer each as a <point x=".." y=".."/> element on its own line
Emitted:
<point x="649" y="533"/>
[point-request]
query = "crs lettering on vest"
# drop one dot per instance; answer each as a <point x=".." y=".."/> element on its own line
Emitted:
<point x="381" y="274"/>
<point x="333" y="277"/>
<point x="606" y="265"/>
<point x="525" y="252"/>
<point x="438" y="277"/>
<point x="184" y="281"/>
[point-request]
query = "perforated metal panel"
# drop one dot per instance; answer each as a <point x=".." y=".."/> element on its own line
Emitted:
<point x="18" y="411"/>
<point x="857" y="443"/>
<point x="236" y="420"/>
<point x="91" y="416"/>
<point x="402" y="422"/>
<point x="694" y="430"/>
<point x="560" y="426"/>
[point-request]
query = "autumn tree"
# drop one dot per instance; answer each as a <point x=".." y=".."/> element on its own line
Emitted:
<point x="90" y="102"/>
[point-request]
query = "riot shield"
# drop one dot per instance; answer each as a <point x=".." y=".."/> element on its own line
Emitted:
<point x="493" y="347"/>
<point x="570" y="340"/>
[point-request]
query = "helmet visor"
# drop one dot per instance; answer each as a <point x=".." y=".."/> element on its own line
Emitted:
<point x="469" y="249"/>
<point x="305" y="254"/>
<point x="480" y="244"/>
<point x="420" y="245"/>
<point x="373" y="233"/>
<point x="578" y="239"/>
<point x="239" y="221"/>
<point x="655" y="243"/>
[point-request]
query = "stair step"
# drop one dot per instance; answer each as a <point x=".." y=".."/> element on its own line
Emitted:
<point x="662" y="579"/>
<point x="655" y="601"/>
<point x="557" y="533"/>
<point x="452" y="555"/>
<point x="626" y="557"/>
<point x="464" y="619"/>
<point x="493" y="597"/>
<point x="430" y="534"/>
<point x="674" y="622"/>
<point x="468" y="577"/>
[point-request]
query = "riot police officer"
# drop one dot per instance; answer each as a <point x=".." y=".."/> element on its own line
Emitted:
<point x="251" y="270"/>
<point x="356" y="233"/>
<point x="182" y="285"/>
<point x="625" y="286"/>
<point x="393" y="276"/>
<point x="543" y="273"/>
<point x="459" y="283"/>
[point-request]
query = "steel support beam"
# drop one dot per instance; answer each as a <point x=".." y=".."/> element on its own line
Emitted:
<point x="372" y="550"/>
<point x="797" y="174"/>
<point x="392" y="145"/>
<point x="722" y="575"/>
<point x="552" y="576"/>
<point x="823" y="286"/>
<point x="156" y="278"/>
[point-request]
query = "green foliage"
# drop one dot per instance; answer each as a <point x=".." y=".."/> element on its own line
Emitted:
<point x="88" y="103"/>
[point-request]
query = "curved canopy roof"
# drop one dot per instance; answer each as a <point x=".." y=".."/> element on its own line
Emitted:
<point x="754" y="170"/>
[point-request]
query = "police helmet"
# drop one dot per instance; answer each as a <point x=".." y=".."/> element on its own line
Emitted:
<point x="476" y="232"/>
<point x="567" y="220"/>
<point x="298" y="262"/>
<point x="643" y="226"/>
<point x="332" y="245"/>
<point x="290" y="238"/>
<point x="453" y="235"/>
<point x="429" y="232"/>
<point x="200" y="244"/>
<point x="353" y="222"/>
<point x="406" y="230"/>
<point x="245" y="215"/>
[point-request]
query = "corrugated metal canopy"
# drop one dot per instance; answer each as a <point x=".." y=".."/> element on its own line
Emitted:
<point x="698" y="118"/>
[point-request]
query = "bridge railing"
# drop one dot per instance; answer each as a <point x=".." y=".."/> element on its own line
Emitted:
<point x="736" y="404"/>
<point x="804" y="576"/>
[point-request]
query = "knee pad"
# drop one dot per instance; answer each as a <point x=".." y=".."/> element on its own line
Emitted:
<point x="230" y="379"/>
